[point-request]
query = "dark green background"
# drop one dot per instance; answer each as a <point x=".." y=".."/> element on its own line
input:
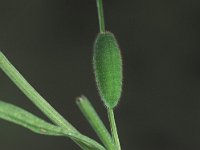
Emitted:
<point x="50" y="42"/>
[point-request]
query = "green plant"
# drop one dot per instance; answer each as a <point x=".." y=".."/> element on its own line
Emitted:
<point x="108" y="73"/>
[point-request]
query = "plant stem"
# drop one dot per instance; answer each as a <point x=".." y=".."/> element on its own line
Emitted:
<point x="90" y="114"/>
<point x="101" y="16"/>
<point x="113" y="128"/>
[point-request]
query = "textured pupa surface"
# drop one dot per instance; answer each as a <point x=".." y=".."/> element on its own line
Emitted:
<point x="107" y="63"/>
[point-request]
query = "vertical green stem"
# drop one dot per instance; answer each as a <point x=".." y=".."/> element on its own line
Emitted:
<point x="113" y="128"/>
<point x="101" y="16"/>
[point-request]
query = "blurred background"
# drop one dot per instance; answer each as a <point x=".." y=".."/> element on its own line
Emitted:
<point x="50" y="42"/>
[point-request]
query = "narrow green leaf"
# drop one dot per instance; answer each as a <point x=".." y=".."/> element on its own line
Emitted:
<point x="24" y="118"/>
<point x="32" y="94"/>
<point x="90" y="114"/>
<point x="88" y="143"/>
<point x="36" y="98"/>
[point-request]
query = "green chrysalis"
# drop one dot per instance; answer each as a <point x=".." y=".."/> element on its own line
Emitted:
<point x="107" y="63"/>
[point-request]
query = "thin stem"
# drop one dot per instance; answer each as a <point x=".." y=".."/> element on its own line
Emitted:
<point x="90" y="114"/>
<point x="101" y="16"/>
<point x="113" y="128"/>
